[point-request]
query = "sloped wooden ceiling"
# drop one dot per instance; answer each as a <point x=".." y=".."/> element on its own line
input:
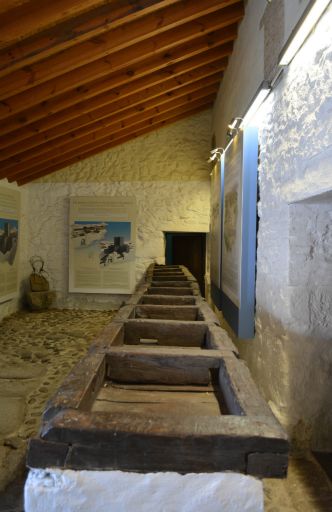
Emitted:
<point x="81" y="76"/>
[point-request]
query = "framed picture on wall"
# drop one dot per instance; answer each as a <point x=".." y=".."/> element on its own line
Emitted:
<point x="102" y="237"/>
<point x="9" y="242"/>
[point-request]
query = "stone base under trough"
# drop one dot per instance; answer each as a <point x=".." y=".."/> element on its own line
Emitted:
<point x="116" y="491"/>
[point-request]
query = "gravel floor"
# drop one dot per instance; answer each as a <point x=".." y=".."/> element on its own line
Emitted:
<point x="37" y="350"/>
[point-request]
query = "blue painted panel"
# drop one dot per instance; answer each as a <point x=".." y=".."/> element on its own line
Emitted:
<point x="241" y="317"/>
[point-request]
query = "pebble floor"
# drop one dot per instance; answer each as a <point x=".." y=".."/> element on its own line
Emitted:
<point x="37" y="350"/>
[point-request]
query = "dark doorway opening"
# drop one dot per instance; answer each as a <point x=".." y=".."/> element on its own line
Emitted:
<point x="188" y="249"/>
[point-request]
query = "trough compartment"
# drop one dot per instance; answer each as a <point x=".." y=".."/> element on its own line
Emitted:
<point x="170" y="290"/>
<point x="174" y="300"/>
<point x="165" y="333"/>
<point x="171" y="284"/>
<point x="99" y="419"/>
<point x="169" y="277"/>
<point x="162" y="312"/>
<point x="199" y="312"/>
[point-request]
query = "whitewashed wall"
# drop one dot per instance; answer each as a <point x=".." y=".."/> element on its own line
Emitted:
<point x="262" y="33"/>
<point x="166" y="171"/>
<point x="162" y="206"/>
<point x="291" y="355"/>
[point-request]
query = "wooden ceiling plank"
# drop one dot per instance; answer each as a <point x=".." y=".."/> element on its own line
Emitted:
<point x="29" y="18"/>
<point x="210" y="61"/>
<point x="76" y="30"/>
<point x="162" y="80"/>
<point x="115" y="129"/>
<point x="22" y="104"/>
<point x="133" y="113"/>
<point x="138" y="100"/>
<point x="116" y="62"/>
<point x="138" y="133"/>
<point x="193" y="15"/>
<point x="9" y="5"/>
<point x="64" y="161"/>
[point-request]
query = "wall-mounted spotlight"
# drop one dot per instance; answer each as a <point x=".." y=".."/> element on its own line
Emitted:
<point x="234" y="126"/>
<point x="215" y="154"/>
<point x="240" y="122"/>
<point x="307" y="22"/>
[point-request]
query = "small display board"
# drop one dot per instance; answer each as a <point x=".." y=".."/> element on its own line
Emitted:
<point x="9" y="242"/>
<point x="238" y="200"/>
<point x="102" y="244"/>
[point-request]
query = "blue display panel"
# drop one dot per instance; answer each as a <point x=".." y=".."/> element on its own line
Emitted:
<point x="236" y="294"/>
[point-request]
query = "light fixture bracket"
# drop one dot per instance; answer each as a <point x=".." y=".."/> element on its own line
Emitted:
<point x="216" y="154"/>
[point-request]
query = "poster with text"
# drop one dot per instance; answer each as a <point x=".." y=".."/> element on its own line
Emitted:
<point x="9" y="246"/>
<point x="232" y="223"/>
<point x="102" y="245"/>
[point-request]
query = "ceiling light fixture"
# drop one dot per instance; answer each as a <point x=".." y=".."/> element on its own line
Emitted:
<point x="307" y="22"/>
<point x="259" y="98"/>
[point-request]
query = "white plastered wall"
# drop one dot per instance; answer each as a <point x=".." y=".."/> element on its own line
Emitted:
<point x="291" y="355"/>
<point x="166" y="171"/>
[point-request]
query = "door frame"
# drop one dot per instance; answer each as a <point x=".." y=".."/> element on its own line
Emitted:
<point x="170" y="235"/>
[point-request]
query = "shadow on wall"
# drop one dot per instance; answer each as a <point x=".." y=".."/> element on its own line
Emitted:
<point x="284" y="366"/>
<point x="291" y="355"/>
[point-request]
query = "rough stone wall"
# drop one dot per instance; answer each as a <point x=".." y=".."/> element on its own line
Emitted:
<point x="177" y="152"/>
<point x="166" y="171"/>
<point x="291" y="354"/>
<point x="262" y="34"/>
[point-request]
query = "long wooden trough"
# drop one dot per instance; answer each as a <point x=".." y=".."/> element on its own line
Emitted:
<point x="161" y="389"/>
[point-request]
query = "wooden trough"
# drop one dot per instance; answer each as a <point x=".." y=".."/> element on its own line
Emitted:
<point x="161" y="389"/>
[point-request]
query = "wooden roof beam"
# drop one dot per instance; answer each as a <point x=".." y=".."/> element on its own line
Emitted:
<point x="193" y="15"/>
<point x="111" y="129"/>
<point x="169" y="78"/>
<point x="8" y="5"/>
<point x="116" y="61"/>
<point x="76" y="30"/>
<point x="129" y="62"/>
<point x="29" y="18"/>
<point x="133" y="85"/>
<point x="68" y="108"/>
<point x="112" y="117"/>
<point x="136" y="134"/>
<point x="200" y="77"/>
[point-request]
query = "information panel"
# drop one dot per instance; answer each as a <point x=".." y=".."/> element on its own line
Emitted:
<point x="9" y="246"/>
<point x="235" y="192"/>
<point x="232" y="222"/>
<point x="215" y="228"/>
<point x="102" y="244"/>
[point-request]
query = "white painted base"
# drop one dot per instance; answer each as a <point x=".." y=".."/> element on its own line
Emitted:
<point x="115" y="491"/>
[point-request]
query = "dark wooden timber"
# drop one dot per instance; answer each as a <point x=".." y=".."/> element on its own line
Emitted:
<point x="170" y="291"/>
<point x="161" y="365"/>
<point x="167" y="299"/>
<point x="161" y="389"/>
